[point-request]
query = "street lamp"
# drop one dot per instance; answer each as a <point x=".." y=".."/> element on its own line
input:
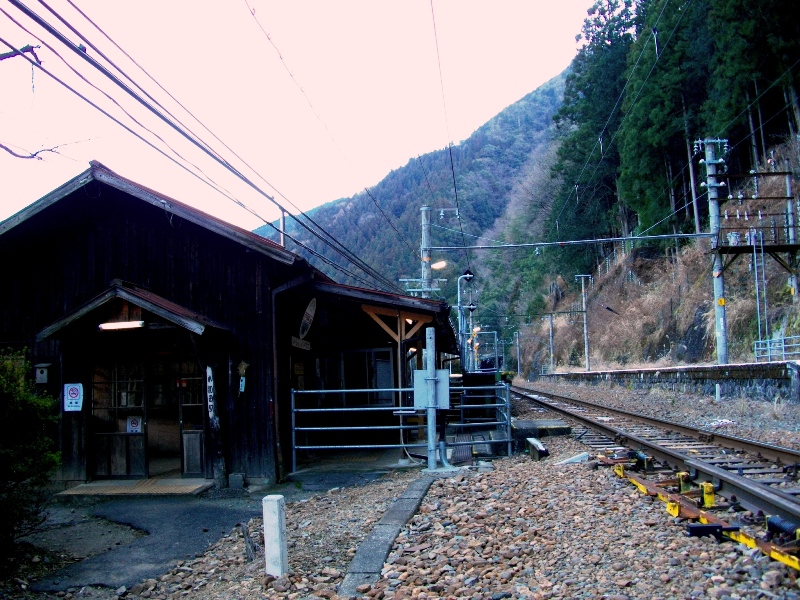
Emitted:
<point x="468" y="277"/>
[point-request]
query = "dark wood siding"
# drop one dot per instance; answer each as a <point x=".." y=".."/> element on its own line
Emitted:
<point x="62" y="257"/>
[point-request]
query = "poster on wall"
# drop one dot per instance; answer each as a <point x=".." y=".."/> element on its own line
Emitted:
<point x="134" y="425"/>
<point x="73" y="397"/>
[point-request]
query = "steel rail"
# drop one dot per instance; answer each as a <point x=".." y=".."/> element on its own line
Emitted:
<point x="751" y="494"/>
<point x="778" y="454"/>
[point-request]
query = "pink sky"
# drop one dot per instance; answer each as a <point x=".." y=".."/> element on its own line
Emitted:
<point x="369" y="69"/>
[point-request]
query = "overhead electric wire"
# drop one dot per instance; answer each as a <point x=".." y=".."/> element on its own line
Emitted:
<point x="252" y="11"/>
<point x="125" y="75"/>
<point x="205" y="179"/>
<point x="344" y="251"/>
<point x="472" y="235"/>
<point x="172" y="159"/>
<point x="757" y="98"/>
<point x="112" y="100"/>
<point x="203" y="147"/>
<point x="731" y="146"/>
<point x="425" y="173"/>
<point x="385" y="216"/>
<point x="352" y="258"/>
<point x="447" y="127"/>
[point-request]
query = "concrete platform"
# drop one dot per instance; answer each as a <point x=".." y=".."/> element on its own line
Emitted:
<point x="155" y="486"/>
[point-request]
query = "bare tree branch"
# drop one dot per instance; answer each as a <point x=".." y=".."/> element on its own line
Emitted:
<point x="28" y="48"/>
<point x="31" y="155"/>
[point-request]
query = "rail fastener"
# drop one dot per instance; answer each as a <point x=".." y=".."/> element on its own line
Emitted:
<point x="681" y="506"/>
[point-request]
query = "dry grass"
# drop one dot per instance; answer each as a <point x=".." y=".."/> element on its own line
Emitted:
<point x="642" y="310"/>
<point x="776" y="409"/>
<point x="742" y="406"/>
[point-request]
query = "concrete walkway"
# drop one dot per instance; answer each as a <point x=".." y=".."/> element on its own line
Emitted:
<point x="179" y="528"/>
<point x="184" y="526"/>
<point x="367" y="564"/>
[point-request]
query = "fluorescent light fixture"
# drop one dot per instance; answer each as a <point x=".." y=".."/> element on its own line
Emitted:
<point x="121" y="325"/>
<point x="439" y="265"/>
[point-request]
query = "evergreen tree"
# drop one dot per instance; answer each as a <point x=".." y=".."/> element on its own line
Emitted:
<point x="588" y="159"/>
<point x="668" y="82"/>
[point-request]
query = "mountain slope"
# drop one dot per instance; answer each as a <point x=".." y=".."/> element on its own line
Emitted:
<point x="490" y="166"/>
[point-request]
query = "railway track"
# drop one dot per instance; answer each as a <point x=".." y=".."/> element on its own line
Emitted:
<point x="727" y="486"/>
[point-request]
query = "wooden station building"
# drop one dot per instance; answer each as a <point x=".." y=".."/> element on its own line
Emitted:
<point x="173" y="339"/>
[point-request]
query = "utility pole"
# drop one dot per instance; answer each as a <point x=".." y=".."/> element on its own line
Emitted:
<point x="462" y="345"/>
<point x="552" y="355"/>
<point x="790" y="222"/>
<point x="519" y="362"/>
<point x="720" y="320"/>
<point x="430" y="370"/>
<point x="425" y="248"/>
<point x="583" y="279"/>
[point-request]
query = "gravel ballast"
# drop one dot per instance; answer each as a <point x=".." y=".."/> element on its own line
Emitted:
<point x="519" y="529"/>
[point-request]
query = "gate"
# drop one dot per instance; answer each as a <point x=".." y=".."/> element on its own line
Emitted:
<point x="322" y="419"/>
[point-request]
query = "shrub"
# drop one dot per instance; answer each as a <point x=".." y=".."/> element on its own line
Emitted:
<point x="27" y="450"/>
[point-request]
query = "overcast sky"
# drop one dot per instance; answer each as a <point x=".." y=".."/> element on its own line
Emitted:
<point x="328" y="101"/>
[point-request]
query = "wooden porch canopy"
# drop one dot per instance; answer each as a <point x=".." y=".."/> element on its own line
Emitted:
<point x="138" y="297"/>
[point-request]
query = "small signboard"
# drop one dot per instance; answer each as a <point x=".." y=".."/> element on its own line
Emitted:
<point x="302" y="344"/>
<point x="134" y="425"/>
<point x="442" y="389"/>
<point x="73" y="397"/>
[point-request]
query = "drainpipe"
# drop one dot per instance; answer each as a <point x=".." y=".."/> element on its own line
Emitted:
<point x="293" y="283"/>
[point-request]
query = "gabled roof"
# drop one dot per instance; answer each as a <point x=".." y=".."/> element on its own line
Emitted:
<point x="98" y="172"/>
<point x="145" y="299"/>
<point x="427" y="305"/>
<point x="438" y="309"/>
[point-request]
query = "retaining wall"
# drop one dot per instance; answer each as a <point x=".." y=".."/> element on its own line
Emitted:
<point x="752" y="380"/>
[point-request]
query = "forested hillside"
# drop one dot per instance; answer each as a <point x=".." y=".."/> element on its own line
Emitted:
<point x="382" y="225"/>
<point x="607" y="150"/>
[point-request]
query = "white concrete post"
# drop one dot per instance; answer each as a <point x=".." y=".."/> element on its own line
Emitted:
<point x="275" y="554"/>
<point x="430" y="360"/>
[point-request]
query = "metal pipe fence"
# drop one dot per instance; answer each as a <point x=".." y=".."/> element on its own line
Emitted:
<point x="498" y="400"/>
<point x="782" y="348"/>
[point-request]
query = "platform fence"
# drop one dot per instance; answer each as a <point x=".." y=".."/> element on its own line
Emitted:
<point x="476" y="406"/>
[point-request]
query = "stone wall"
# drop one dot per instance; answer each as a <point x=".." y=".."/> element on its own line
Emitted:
<point x="754" y="380"/>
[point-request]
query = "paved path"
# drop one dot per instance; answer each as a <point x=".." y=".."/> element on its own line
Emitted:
<point x="183" y="527"/>
<point x="179" y="528"/>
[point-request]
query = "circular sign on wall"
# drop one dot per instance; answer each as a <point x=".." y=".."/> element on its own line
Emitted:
<point x="308" y="318"/>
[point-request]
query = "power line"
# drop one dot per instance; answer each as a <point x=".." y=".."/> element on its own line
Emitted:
<point x="346" y="253"/>
<point x="206" y="180"/>
<point x="577" y="242"/>
<point x="199" y="144"/>
<point x="447" y="127"/>
<point x="252" y="12"/>
<point x="168" y="157"/>
<point x="397" y="231"/>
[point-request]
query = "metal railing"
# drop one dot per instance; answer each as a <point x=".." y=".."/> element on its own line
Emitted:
<point x="496" y="400"/>
<point x="767" y="229"/>
<point x="777" y="349"/>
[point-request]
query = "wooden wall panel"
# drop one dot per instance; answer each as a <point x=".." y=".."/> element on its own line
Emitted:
<point x="69" y="253"/>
